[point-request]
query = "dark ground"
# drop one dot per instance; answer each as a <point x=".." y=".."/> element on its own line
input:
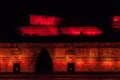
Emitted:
<point x="60" y="77"/>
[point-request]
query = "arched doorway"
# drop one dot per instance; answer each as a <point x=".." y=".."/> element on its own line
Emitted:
<point x="44" y="62"/>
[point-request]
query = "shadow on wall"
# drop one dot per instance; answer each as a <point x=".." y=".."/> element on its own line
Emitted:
<point x="44" y="62"/>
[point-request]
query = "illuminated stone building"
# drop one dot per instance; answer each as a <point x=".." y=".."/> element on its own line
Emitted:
<point x="62" y="56"/>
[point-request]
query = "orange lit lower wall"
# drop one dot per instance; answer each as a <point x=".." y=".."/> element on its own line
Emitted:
<point x="90" y="66"/>
<point x="97" y="66"/>
<point x="24" y="55"/>
<point x="60" y="66"/>
<point x="8" y="66"/>
<point x="93" y="58"/>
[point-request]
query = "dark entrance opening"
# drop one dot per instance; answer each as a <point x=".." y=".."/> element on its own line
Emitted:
<point x="16" y="68"/>
<point x="44" y="62"/>
<point x="71" y="68"/>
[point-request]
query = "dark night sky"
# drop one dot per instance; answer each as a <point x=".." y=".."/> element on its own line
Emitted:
<point x="15" y="14"/>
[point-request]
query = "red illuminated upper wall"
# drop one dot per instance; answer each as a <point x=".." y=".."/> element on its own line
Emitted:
<point x="88" y="31"/>
<point x="39" y="31"/>
<point x="116" y="22"/>
<point x="44" y="20"/>
<point x="42" y="25"/>
<point x="53" y="31"/>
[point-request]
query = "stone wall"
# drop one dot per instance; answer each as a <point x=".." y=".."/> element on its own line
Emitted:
<point x="87" y="57"/>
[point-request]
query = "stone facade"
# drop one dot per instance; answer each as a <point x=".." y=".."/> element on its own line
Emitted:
<point x="87" y="57"/>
